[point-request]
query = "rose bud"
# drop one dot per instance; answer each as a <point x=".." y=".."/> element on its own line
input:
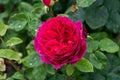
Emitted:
<point x="49" y="3"/>
<point x="60" y="41"/>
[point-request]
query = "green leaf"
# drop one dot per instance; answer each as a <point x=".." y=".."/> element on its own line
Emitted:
<point x="98" y="59"/>
<point x="32" y="61"/>
<point x="58" y="77"/>
<point x="102" y="58"/>
<point x="113" y="23"/>
<point x="99" y="2"/>
<point x="50" y="69"/>
<point x="3" y="29"/>
<point x="28" y="73"/>
<point x="30" y="48"/>
<point x="61" y="77"/>
<point x="85" y="3"/>
<point x="33" y="24"/>
<point x="18" y="75"/>
<point x="108" y="45"/>
<point x="94" y="60"/>
<point x="69" y="70"/>
<point x="4" y="1"/>
<point x="18" y="21"/>
<point x="14" y="41"/>
<point x="79" y="15"/>
<point x="115" y="5"/>
<point x="3" y="15"/>
<point x="10" y="78"/>
<point x="99" y="35"/>
<point x="38" y="10"/>
<point x="84" y="65"/>
<point x="114" y="74"/>
<point x="25" y="7"/>
<point x="96" y="17"/>
<point x="2" y="65"/>
<point x="92" y="45"/>
<point x="39" y="72"/>
<point x="98" y="76"/>
<point x="16" y="1"/>
<point x="3" y="76"/>
<point x="10" y="54"/>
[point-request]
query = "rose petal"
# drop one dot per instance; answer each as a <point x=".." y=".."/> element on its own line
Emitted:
<point x="59" y="40"/>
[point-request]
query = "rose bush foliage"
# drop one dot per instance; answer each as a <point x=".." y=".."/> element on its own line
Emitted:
<point x="21" y="21"/>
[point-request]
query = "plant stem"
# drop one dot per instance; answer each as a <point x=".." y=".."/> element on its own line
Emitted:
<point x="1" y="39"/>
<point x="51" y="11"/>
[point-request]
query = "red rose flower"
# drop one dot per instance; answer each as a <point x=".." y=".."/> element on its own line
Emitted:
<point x="60" y="41"/>
<point x="48" y="2"/>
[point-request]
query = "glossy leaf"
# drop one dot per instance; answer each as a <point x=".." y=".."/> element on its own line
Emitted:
<point x="84" y="65"/>
<point x="79" y="15"/>
<point x="18" y="75"/>
<point x="10" y="54"/>
<point x="85" y="3"/>
<point x="33" y="24"/>
<point x="92" y="45"/>
<point x="25" y="7"/>
<point x="69" y="70"/>
<point x="3" y="29"/>
<point x="115" y="5"/>
<point x="96" y="17"/>
<point x="50" y="69"/>
<point x="18" y="21"/>
<point x="99" y="2"/>
<point x="39" y="73"/>
<point x="38" y="10"/>
<point x="32" y="61"/>
<point x="108" y="45"/>
<point x="113" y="23"/>
<point x="10" y="78"/>
<point x="95" y="61"/>
<point x="99" y="35"/>
<point x="14" y="41"/>
<point x="98" y="59"/>
<point x="28" y="73"/>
